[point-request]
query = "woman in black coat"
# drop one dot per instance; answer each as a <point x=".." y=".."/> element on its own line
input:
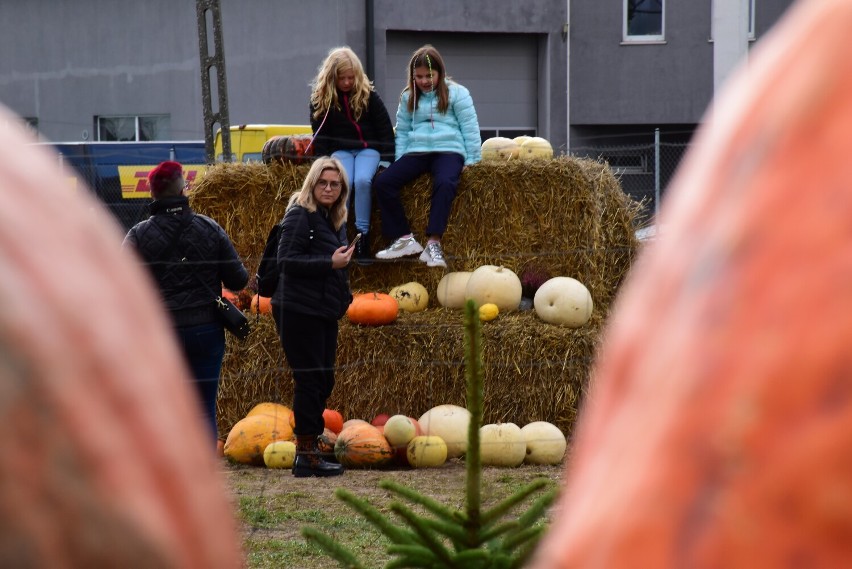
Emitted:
<point x="312" y="295"/>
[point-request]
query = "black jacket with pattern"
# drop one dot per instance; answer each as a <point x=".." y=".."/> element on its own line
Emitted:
<point x="307" y="283"/>
<point x="342" y="132"/>
<point x="191" y="273"/>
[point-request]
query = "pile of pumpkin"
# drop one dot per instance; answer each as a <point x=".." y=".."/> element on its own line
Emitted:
<point x="265" y="437"/>
<point x="500" y="148"/>
<point x="557" y="300"/>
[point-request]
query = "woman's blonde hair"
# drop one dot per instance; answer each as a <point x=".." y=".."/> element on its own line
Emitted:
<point x="305" y="196"/>
<point x="324" y="85"/>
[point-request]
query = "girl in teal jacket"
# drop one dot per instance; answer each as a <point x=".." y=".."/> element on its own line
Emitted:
<point x="437" y="131"/>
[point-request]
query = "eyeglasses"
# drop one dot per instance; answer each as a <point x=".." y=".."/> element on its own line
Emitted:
<point x="323" y="184"/>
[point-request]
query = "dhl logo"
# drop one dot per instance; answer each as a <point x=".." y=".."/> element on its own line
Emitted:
<point x="134" y="179"/>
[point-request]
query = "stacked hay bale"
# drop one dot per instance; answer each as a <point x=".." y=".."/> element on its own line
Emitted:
<point x="566" y="215"/>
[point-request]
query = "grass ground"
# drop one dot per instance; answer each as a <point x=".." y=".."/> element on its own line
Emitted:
<point x="273" y="506"/>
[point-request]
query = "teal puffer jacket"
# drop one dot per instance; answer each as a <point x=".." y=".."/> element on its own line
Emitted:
<point x="427" y="130"/>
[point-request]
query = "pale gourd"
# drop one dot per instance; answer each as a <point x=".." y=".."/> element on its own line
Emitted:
<point x="450" y="422"/>
<point x="536" y="148"/>
<point x="499" y="148"/>
<point x="426" y="451"/>
<point x="411" y="297"/>
<point x="279" y="454"/>
<point x="519" y="140"/>
<point x="545" y="443"/>
<point x="564" y="301"/>
<point x="451" y="289"/>
<point x="495" y="285"/>
<point x="502" y="444"/>
<point x="399" y="430"/>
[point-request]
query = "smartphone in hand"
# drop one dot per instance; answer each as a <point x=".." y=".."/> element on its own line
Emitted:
<point x="354" y="241"/>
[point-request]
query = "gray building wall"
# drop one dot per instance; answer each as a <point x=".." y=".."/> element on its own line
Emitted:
<point x="66" y="62"/>
<point x="113" y="57"/>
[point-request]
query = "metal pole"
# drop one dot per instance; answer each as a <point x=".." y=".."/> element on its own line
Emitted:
<point x="208" y="63"/>
<point x="656" y="173"/>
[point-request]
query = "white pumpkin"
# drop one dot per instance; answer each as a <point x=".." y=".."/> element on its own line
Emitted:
<point x="411" y="297"/>
<point x="499" y="148"/>
<point x="495" y="285"/>
<point x="451" y="289"/>
<point x="536" y="148"/>
<point x="451" y="423"/>
<point x="545" y="443"/>
<point x="279" y="454"/>
<point x="502" y="444"/>
<point x="426" y="451"/>
<point x="399" y="430"/>
<point x="519" y="140"/>
<point x="563" y="301"/>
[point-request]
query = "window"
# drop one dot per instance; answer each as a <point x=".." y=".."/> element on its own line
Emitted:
<point x="644" y="20"/>
<point x="133" y="128"/>
<point x="486" y="133"/>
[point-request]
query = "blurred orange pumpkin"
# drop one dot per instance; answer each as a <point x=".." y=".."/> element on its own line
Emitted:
<point x="264" y="302"/>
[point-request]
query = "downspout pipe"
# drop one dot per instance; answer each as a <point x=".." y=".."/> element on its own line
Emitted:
<point x="370" y="39"/>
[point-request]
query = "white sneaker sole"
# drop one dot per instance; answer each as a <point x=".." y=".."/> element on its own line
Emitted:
<point x="429" y="262"/>
<point x="410" y="249"/>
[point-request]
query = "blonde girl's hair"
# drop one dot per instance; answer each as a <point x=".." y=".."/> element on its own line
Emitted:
<point x="324" y="89"/>
<point x="428" y="56"/>
<point x="305" y="196"/>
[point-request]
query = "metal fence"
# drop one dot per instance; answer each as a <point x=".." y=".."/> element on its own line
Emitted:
<point x="644" y="170"/>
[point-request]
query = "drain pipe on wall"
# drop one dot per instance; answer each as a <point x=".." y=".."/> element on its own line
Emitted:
<point x="370" y="39"/>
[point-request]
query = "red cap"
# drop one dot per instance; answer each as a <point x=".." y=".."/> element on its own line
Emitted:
<point x="164" y="174"/>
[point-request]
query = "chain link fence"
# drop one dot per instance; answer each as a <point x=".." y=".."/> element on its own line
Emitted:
<point x="644" y="169"/>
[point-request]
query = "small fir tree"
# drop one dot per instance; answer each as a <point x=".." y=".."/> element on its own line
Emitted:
<point x="444" y="537"/>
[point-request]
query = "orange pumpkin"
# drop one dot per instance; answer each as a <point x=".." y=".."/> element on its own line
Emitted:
<point x="719" y="435"/>
<point x="333" y="420"/>
<point x="362" y="445"/>
<point x="249" y="437"/>
<point x="261" y="304"/>
<point x="230" y="295"/>
<point x="105" y="460"/>
<point x="373" y="309"/>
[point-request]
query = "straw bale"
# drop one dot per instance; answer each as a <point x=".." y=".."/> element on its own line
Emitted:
<point x="532" y="371"/>
<point x="566" y="215"/>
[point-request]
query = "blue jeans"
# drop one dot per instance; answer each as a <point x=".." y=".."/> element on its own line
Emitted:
<point x="204" y="349"/>
<point x="360" y="166"/>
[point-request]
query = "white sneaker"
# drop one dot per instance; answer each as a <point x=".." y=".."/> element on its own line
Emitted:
<point x="402" y="247"/>
<point x="433" y="255"/>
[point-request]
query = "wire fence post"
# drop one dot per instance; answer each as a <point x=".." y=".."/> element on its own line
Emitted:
<point x="656" y="173"/>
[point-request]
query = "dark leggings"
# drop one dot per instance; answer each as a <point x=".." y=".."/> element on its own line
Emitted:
<point x="310" y="345"/>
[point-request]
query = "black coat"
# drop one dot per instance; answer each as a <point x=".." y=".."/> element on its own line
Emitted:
<point x="341" y="132"/>
<point x="191" y="273"/>
<point x="307" y="283"/>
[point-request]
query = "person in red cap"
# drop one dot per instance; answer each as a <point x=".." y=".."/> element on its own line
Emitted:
<point x="190" y="257"/>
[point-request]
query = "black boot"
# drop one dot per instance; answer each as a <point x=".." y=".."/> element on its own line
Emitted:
<point x="362" y="251"/>
<point x="308" y="460"/>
